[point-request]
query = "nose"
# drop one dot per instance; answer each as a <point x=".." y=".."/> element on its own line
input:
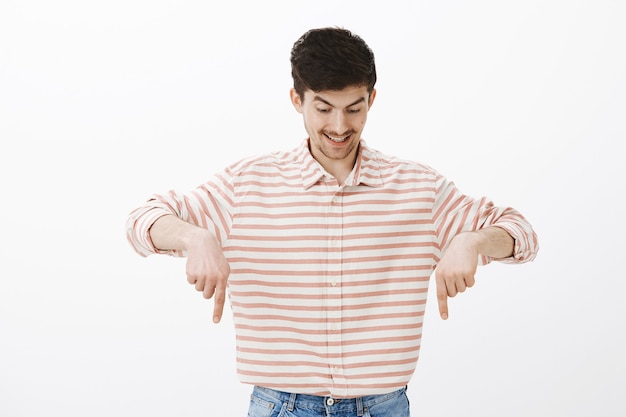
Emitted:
<point x="338" y="123"/>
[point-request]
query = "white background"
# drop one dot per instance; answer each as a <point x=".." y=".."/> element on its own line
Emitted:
<point x="104" y="102"/>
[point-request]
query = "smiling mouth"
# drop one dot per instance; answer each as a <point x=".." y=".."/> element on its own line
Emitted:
<point x="338" y="139"/>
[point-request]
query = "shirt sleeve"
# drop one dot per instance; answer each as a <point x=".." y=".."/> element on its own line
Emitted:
<point x="209" y="206"/>
<point x="454" y="213"/>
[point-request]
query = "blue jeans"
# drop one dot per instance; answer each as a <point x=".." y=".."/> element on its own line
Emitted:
<point x="265" y="402"/>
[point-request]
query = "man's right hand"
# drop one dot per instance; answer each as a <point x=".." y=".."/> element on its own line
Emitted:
<point x="207" y="267"/>
<point x="208" y="270"/>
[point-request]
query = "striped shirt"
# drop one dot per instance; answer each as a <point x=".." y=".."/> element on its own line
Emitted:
<point x="328" y="283"/>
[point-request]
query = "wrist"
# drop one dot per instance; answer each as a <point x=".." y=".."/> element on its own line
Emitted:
<point x="470" y="240"/>
<point x="195" y="236"/>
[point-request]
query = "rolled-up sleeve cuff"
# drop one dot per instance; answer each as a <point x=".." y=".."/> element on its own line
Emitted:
<point x="525" y="242"/>
<point x="138" y="232"/>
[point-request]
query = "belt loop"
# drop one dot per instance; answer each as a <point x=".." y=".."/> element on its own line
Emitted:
<point x="292" y="401"/>
<point x="359" y="406"/>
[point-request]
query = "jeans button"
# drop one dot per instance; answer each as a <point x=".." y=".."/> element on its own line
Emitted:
<point x="330" y="401"/>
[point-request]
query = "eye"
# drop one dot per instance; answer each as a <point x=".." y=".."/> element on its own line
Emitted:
<point x="323" y="110"/>
<point x="353" y="111"/>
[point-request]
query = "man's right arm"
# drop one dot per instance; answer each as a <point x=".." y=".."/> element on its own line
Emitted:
<point x="172" y="233"/>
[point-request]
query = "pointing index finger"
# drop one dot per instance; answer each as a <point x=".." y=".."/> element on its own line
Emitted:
<point x="442" y="298"/>
<point x="218" y="303"/>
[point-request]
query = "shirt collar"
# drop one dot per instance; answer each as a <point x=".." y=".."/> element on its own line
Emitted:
<point x="366" y="170"/>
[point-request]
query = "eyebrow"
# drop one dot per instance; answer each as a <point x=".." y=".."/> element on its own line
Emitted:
<point x="318" y="98"/>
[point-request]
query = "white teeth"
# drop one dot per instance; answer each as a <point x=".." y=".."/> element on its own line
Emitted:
<point x="337" y="139"/>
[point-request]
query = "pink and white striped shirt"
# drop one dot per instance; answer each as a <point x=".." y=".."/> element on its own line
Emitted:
<point x="328" y="283"/>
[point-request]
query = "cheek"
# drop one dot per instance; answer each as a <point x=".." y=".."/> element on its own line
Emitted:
<point x="313" y="120"/>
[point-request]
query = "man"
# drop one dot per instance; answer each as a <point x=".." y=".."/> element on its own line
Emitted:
<point x="326" y="250"/>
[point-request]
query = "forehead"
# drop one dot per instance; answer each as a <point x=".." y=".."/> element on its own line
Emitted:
<point x="349" y="96"/>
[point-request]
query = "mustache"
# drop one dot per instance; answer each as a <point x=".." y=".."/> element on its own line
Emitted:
<point x="338" y="135"/>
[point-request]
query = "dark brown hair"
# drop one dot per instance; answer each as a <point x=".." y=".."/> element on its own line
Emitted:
<point x="331" y="59"/>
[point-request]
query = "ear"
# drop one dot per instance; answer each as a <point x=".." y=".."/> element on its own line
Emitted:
<point x="296" y="100"/>
<point x="371" y="99"/>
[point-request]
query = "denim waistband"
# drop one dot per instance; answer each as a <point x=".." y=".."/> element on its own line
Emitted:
<point x="315" y="402"/>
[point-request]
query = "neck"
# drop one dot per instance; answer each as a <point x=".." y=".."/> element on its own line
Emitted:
<point x="340" y="168"/>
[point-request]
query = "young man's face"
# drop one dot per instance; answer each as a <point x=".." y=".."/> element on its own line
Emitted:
<point x="334" y="121"/>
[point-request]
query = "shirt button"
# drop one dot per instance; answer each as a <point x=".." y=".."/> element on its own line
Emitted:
<point x="333" y="327"/>
<point x="330" y="401"/>
<point x="333" y="241"/>
<point x="333" y="283"/>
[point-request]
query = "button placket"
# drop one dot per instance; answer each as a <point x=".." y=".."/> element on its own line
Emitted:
<point x="333" y="289"/>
